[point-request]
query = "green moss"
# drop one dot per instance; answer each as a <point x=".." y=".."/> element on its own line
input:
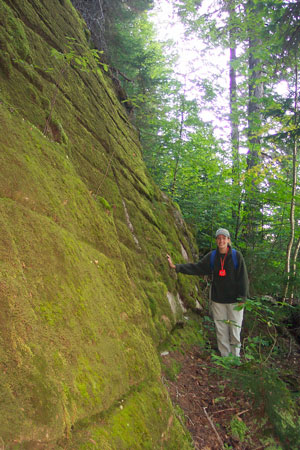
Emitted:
<point x="5" y="14"/>
<point x="17" y="33"/>
<point x="83" y="307"/>
<point x="130" y="424"/>
<point x="177" y="206"/>
<point x="106" y="370"/>
<point x="33" y="95"/>
<point x="45" y="103"/>
<point x="5" y="63"/>
<point x="172" y="371"/>
<point x="58" y="131"/>
<point x="45" y="400"/>
<point x="153" y="306"/>
<point x="104" y="202"/>
<point x="158" y="292"/>
<point x="191" y="333"/>
<point x="29" y="72"/>
<point x="189" y="293"/>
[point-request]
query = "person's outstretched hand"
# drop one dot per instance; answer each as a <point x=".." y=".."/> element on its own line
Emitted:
<point x="170" y="262"/>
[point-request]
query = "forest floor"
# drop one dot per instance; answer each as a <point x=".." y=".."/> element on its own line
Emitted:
<point x="218" y="415"/>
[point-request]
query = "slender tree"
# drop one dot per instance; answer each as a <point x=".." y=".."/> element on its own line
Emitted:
<point x="288" y="268"/>
<point x="234" y="117"/>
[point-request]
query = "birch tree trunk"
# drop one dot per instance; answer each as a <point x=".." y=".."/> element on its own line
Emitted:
<point x="293" y="204"/>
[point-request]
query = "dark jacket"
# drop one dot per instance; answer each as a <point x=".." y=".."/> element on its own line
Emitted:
<point x="232" y="288"/>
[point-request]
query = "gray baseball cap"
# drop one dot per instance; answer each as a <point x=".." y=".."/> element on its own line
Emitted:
<point x="223" y="231"/>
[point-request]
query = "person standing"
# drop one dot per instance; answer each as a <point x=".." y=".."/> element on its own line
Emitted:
<point x="229" y="288"/>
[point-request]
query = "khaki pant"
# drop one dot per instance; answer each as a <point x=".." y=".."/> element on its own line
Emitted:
<point x="228" y="324"/>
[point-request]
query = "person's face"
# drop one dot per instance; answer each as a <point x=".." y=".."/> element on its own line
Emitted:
<point x="222" y="243"/>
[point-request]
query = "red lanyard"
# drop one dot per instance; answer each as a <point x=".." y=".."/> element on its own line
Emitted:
<point x="222" y="272"/>
<point x="223" y="260"/>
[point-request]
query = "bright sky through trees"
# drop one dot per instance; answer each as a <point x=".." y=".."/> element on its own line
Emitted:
<point x="195" y="65"/>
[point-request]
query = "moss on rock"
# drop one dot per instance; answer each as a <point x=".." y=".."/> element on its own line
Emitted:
<point x="129" y="424"/>
<point x="84" y="237"/>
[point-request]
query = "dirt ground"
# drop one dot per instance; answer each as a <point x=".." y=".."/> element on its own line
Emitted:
<point x="208" y="403"/>
<point x="217" y="415"/>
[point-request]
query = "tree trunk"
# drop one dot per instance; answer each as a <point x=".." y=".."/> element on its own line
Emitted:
<point x="293" y="204"/>
<point x="178" y="144"/>
<point x="234" y="121"/>
<point x="256" y="90"/>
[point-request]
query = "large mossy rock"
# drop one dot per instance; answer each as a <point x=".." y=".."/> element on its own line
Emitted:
<point x="85" y="288"/>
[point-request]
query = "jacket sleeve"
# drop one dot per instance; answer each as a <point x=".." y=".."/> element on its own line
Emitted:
<point x="200" y="268"/>
<point x="242" y="279"/>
